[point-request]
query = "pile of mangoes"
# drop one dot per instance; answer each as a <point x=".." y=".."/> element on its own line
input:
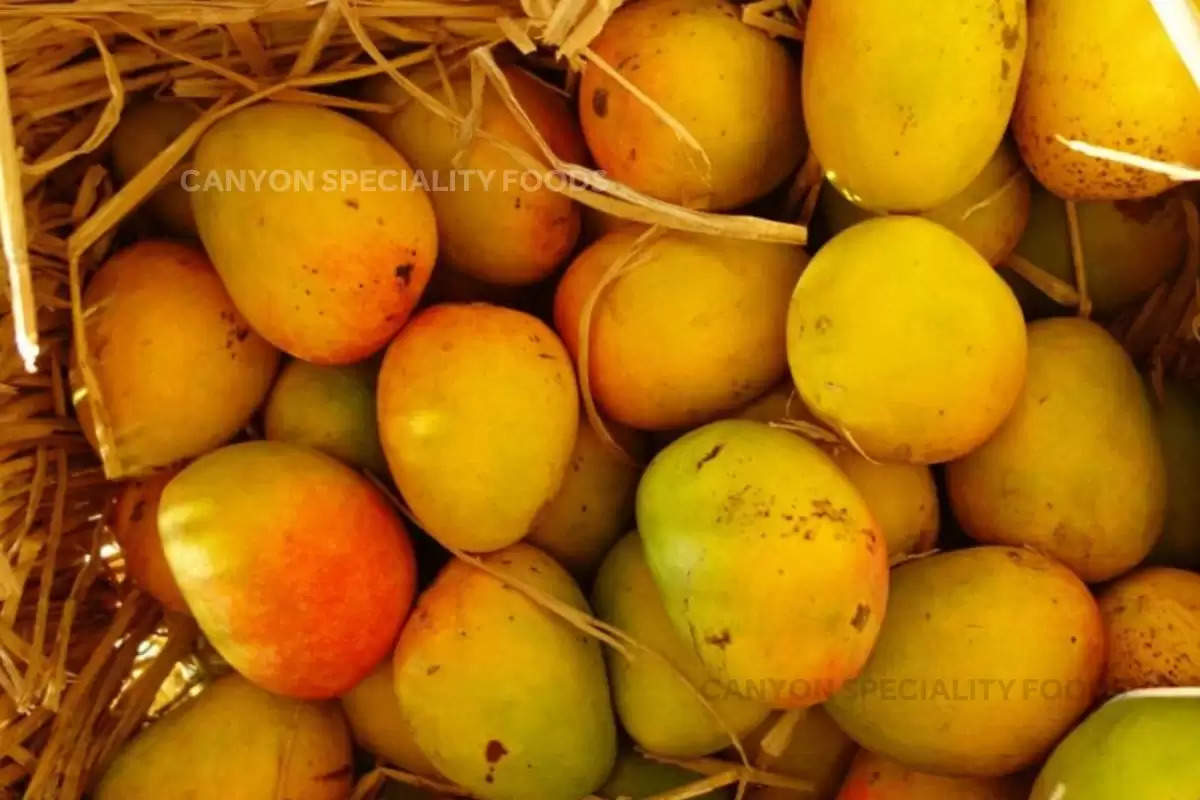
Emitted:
<point x="543" y="496"/>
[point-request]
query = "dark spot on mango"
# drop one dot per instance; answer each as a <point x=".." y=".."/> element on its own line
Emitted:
<point x="352" y="203"/>
<point x="861" y="615"/>
<point x="404" y="273"/>
<point x="710" y="455"/>
<point x="433" y="669"/>
<point x="139" y="510"/>
<point x="600" y="102"/>
<point x="241" y="332"/>
<point x="720" y="640"/>
<point x="1009" y="36"/>
<point x="495" y="751"/>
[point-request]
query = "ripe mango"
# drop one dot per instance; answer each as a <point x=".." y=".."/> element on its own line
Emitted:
<point x="987" y="656"/>
<point x="1141" y="744"/>
<point x="656" y="707"/>
<point x="767" y="559"/>
<point x="235" y="741"/>
<point x="818" y="752"/>
<point x="673" y="342"/>
<point x="145" y="130"/>
<point x="505" y="698"/>
<point x="478" y="413"/>
<point x="905" y="102"/>
<point x="905" y="341"/>
<point x="328" y="408"/>
<point x="377" y="722"/>
<point x="1107" y="74"/>
<point x="874" y="777"/>
<point x="1152" y="618"/>
<point x="327" y="242"/>
<point x="294" y="565"/>
<point x="636" y="777"/>
<point x="1048" y="480"/>
<point x="733" y="88"/>
<point x="134" y="524"/>
<point x="1178" y="417"/>
<point x="499" y="223"/>
<point x="159" y="324"/>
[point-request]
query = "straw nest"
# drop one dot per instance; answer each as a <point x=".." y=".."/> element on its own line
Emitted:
<point x="84" y="657"/>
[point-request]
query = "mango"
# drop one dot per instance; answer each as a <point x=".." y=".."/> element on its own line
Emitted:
<point x="672" y="341"/>
<point x="478" y="413"/>
<point x="767" y="559"/>
<point x="594" y="504"/>
<point x="636" y="777"/>
<point x="987" y="656"/>
<point x="905" y="341"/>
<point x="731" y="86"/>
<point x="134" y="524"/>
<point x="317" y="227"/>
<point x="874" y="777"/>
<point x="505" y="698"/>
<point x="159" y="324"/>
<point x="1047" y="480"/>
<point x="328" y="408"/>
<point x="1138" y="745"/>
<point x="989" y="214"/>
<point x="905" y="102"/>
<point x="1104" y="73"/>
<point x="818" y="751"/>
<point x="294" y="565"/>
<point x="145" y="130"/>
<point x="235" y="741"/>
<point x="1178" y="417"/>
<point x="657" y="708"/>
<point x="377" y="722"/>
<point x="1152" y="621"/>
<point x="498" y="222"/>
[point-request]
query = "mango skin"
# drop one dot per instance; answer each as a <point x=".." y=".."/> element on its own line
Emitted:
<point x="227" y="744"/>
<point x="134" y="524"/>
<point x="163" y="324"/>
<point x="294" y="565"/>
<point x="1107" y="74"/>
<point x="1047" y="481"/>
<point x="499" y="233"/>
<point x="906" y="102"/>
<point x="819" y="752"/>
<point x="671" y="342"/>
<point x="328" y="408"/>
<point x="145" y="130"/>
<point x="478" y="413"/>
<point x="377" y="722"/>
<point x="329" y="274"/>
<point x="961" y="626"/>
<point x="1138" y="745"/>
<point x="505" y="698"/>
<point x="1178" y="418"/>
<point x="1152" y="618"/>
<point x="639" y="778"/>
<point x="767" y="560"/>
<point x="738" y="100"/>
<point x="656" y="708"/>
<point x="874" y="777"/>
<point x="905" y="341"/>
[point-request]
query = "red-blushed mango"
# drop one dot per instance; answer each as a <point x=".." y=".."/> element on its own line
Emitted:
<point x="329" y="408"/>
<point x="906" y="102"/>
<point x="377" y="722"/>
<point x="294" y="565"/>
<point x="818" y="751"/>
<point x="500" y="222"/>
<point x="505" y="697"/>
<point x="1107" y="74"/>
<point x="134" y="524"/>
<point x="1048" y="479"/>
<point x="1152" y="618"/>
<point x="478" y="413"/>
<point x="987" y="656"/>
<point x="640" y="778"/>
<point x="768" y="561"/>
<point x="905" y="341"/>
<point x="1178" y="417"/>
<point x="145" y="130"/>
<point x="159" y="324"/>
<point x="693" y="329"/>
<point x="317" y="227"/>
<point x="874" y="777"/>
<point x="732" y="87"/>
<point x="235" y="741"/>
<point x="657" y="701"/>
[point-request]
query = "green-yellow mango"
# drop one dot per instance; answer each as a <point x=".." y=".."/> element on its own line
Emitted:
<point x="818" y="751"/>
<point x="1178" y="416"/>
<point x="145" y="130"/>
<point x="768" y="561"/>
<point x="378" y="724"/>
<point x="636" y="777"/>
<point x="505" y="698"/>
<point x="874" y="777"/>
<point x="1152" y="618"/>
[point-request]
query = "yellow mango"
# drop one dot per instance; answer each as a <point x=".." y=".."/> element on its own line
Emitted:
<point x="1076" y="471"/>
<point x="159" y="325"/>
<point x="377" y="722"/>
<point x="1152" y="618"/>
<point x="478" y="413"/>
<point x="987" y="656"/>
<point x="317" y="227"/>
<point x="905" y="341"/>
<point x="235" y="741"/>
<point x="731" y="86"/>
<point x="818" y="751"/>
<point x="657" y="708"/>
<point x="504" y="697"/>
<point x="1178" y="417"/>
<point x="768" y="561"/>
<point x="874" y="777"/>
<point x="906" y="102"/>
<point x="1104" y="73"/>
<point x="145" y="130"/>
<point x="693" y="330"/>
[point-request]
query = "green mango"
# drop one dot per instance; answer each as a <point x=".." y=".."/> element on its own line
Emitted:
<point x="636" y="777"/>
<point x="1178" y="417"/>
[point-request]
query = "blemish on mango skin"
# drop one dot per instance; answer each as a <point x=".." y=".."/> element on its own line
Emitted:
<point x="861" y="615"/>
<point x="600" y="102"/>
<point x="495" y="751"/>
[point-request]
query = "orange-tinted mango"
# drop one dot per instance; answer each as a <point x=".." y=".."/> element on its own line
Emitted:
<point x="874" y="777"/>
<point x="134" y="524"/>
<point x="145" y="130"/>
<point x="1152" y="618"/>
